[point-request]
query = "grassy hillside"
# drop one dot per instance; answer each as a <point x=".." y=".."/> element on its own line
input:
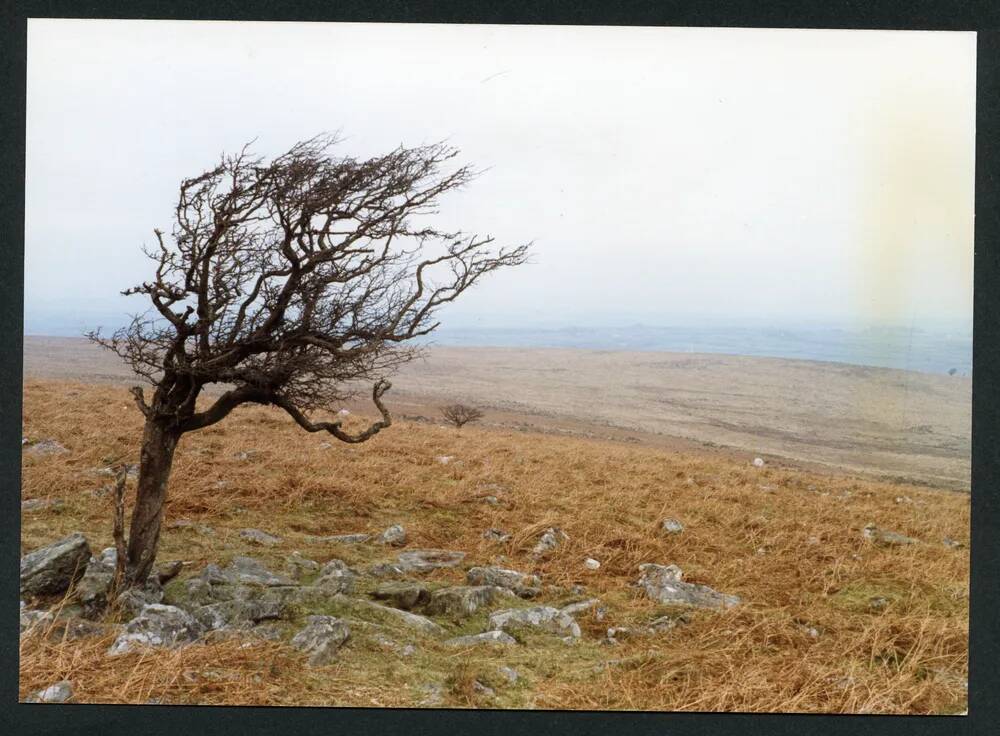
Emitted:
<point x="788" y="542"/>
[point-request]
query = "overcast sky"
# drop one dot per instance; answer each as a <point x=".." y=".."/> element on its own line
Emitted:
<point x="670" y="176"/>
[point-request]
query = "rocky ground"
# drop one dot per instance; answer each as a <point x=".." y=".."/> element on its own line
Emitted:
<point x="482" y="568"/>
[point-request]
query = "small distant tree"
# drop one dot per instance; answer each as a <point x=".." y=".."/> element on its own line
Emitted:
<point x="460" y="414"/>
<point x="284" y="280"/>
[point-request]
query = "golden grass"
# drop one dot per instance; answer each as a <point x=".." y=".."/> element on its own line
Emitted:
<point x="787" y="541"/>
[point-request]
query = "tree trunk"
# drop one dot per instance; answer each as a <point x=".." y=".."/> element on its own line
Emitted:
<point x="158" y="445"/>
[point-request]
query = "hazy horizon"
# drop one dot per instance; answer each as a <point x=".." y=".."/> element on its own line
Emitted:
<point x="667" y="176"/>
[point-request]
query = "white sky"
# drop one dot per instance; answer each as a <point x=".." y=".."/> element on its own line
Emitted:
<point x="665" y="175"/>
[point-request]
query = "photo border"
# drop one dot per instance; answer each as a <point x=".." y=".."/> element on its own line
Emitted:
<point x="984" y="671"/>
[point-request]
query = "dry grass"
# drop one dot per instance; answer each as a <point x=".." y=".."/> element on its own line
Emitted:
<point x="749" y="531"/>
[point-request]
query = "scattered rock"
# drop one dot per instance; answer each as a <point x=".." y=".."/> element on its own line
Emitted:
<point x="523" y="585"/>
<point x="671" y="526"/>
<point x="444" y="459"/>
<point x="953" y="544"/>
<point x="410" y="620"/>
<point x="885" y="538"/>
<point x="663" y="584"/>
<point x="878" y="603"/>
<point x="341" y="539"/>
<point x="243" y="570"/>
<point x="91" y="590"/>
<point x="131" y="471"/>
<point x="237" y="613"/>
<point x="496" y="535"/>
<point x="73" y="629"/>
<point x="406" y="596"/>
<point x="336" y="576"/>
<point x="258" y="537"/>
<point x="245" y="455"/>
<point x="321" y="638"/>
<point x="812" y="541"/>
<point x="433" y="695"/>
<point x="30" y="618"/>
<point x="299" y="566"/>
<point x="59" y="693"/>
<point x="487" y="637"/>
<point x="591" y="564"/>
<point x="484" y="690"/>
<point x="491" y="500"/>
<point x="45" y="447"/>
<point x="463" y="601"/>
<point x="157" y="626"/>
<point x="550" y="539"/>
<point x="509" y="673"/>
<point x="542" y="618"/>
<point x="580" y="607"/>
<point x="417" y="560"/>
<point x="52" y="569"/>
<point x="394" y="536"/>
<point x="758" y="462"/>
<point x="903" y="499"/>
<point x="41" y="504"/>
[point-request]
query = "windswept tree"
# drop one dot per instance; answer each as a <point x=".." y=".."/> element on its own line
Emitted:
<point x="285" y="281"/>
<point x="461" y="414"/>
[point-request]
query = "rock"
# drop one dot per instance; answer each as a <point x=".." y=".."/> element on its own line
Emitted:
<point x="877" y="603"/>
<point x="671" y="526"/>
<point x="543" y="618"/>
<point x="418" y="560"/>
<point x="953" y="544"/>
<point x="41" y="504"/>
<point x="903" y="499"/>
<point x="496" y="535"/>
<point x="444" y="459"/>
<point x="509" y="673"/>
<point x="335" y="575"/>
<point x="885" y="538"/>
<point x="299" y="566"/>
<point x="246" y="570"/>
<point x="406" y="596"/>
<point x="663" y="584"/>
<point x="487" y="637"/>
<point x="580" y="607"/>
<point x="131" y="471"/>
<point x="245" y="454"/>
<point x="341" y="539"/>
<point x="463" y="601"/>
<point x="321" y="638"/>
<point x="91" y="590"/>
<point x="157" y="626"/>
<point x="394" y="536"/>
<point x="31" y="618"/>
<point x="73" y="629"/>
<point x="413" y="621"/>
<point x="134" y="600"/>
<point x="258" y="537"/>
<point x="59" y="693"/>
<point x="433" y="695"/>
<point x="237" y="613"/>
<point x="52" y="569"/>
<point x="523" y="585"/>
<point x="483" y="689"/>
<point x="46" y="447"/>
<point x="591" y="564"/>
<point x="758" y="462"/>
<point x="168" y="571"/>
<point x="550" y="539"/>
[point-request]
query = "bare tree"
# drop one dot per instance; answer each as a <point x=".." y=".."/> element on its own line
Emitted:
<point x="284" y="280"/>
<point x="460" y="414"/>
